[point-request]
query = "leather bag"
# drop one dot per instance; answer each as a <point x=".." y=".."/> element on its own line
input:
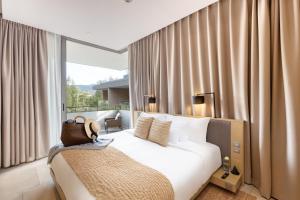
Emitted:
<point x="73" y="132"/>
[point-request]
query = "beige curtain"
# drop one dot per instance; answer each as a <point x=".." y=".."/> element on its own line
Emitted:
<point x="247" y="52"/>
<point x="23" y="94"/>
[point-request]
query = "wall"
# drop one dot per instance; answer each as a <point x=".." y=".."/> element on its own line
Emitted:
<point x="105" y="94"/>
<point x="117" y="95"/>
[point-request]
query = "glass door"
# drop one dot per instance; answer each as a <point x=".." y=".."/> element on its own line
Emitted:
<point x="95" y="83"/>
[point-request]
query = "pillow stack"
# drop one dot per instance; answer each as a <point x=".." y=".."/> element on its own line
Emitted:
<point x="153" y="129"/>
<point x="165" y="129"/>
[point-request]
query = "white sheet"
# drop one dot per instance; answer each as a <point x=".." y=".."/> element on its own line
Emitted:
<point x="186" y="170"/>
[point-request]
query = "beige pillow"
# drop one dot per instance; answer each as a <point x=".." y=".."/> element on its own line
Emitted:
<point x="159" y="132"/>
<point x="142" y="127"/>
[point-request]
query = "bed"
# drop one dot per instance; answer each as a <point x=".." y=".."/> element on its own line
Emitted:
<point x="188" y="167"/>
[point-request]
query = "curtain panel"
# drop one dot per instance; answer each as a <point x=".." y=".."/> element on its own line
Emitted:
<point x="247" y="52"/>
<point x="24" y="128"/>
<point x="54" y="87"/>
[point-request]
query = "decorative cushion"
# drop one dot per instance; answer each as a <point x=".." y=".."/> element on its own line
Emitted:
<point x="142" y="127"/>
<point x="159" y="132"/>
<point x="117" y="116"/>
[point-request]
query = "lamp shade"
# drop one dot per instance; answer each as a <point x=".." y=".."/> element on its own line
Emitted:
<point x="198" y="99"/>
<point x="151" y="100"/>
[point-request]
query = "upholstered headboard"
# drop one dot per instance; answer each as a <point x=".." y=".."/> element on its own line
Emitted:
<point x="229" y="136"/>
<point x="219" y="133"/>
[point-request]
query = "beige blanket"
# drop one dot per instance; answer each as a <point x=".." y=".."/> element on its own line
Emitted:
<point x="110" y="174"/>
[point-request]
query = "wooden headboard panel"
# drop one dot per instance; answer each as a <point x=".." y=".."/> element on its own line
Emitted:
<point x="228" y="134"/>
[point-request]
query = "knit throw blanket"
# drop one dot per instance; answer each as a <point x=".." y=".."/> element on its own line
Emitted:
<point x="110" y="174"/>
<point x="100" y="144"/>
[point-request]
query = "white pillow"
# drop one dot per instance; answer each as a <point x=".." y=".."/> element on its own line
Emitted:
<point x="159" y="116"/>
<point x="188" y="129"/>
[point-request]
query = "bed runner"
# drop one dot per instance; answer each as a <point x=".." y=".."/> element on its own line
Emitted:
<point x="99" y="145"/>
<point x="110" y="174"/>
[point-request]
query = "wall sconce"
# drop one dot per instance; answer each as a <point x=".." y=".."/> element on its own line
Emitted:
<point x="200" y="99"/>
<point x="150" y="100"/>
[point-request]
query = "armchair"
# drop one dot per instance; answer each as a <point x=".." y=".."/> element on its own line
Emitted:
<point x="113" y="122"/>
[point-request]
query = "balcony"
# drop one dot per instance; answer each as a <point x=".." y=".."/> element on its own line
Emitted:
<point x="100" y="113"/>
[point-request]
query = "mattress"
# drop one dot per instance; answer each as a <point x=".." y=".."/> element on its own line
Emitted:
<point x="187" y="170"/>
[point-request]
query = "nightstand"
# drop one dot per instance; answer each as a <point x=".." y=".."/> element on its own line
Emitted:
<point x="231" y="182"/>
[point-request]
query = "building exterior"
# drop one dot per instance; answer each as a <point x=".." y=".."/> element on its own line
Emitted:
<point x="116" y="92"/>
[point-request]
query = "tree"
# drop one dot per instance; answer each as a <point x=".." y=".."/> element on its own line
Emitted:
<point x="79" y="99"/>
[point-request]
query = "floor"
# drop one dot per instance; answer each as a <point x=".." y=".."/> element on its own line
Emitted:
<point x="32" y="181"/>
<point x="216" y="193"/>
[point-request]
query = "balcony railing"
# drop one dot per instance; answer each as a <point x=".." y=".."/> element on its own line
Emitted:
<point x="103" y="107"/>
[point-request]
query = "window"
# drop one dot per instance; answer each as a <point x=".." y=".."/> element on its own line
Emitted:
<point x="96" y="84"/>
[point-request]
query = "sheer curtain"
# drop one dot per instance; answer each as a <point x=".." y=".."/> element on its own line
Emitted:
<point x="54" y="87"/>
<point x="247" y="52"/>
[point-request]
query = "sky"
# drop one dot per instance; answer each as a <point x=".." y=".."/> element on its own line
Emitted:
<point x="86" y="75"/>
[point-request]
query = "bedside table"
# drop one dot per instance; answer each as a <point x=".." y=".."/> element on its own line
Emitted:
<point x="231" y="182"/>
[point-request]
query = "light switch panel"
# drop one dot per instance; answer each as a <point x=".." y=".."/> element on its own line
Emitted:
<point x="236" y="150"/>
<point x="236" y="144"/>
<point x="236" y="147"/>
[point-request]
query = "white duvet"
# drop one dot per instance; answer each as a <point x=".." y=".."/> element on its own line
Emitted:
<point x="186" y="168"/>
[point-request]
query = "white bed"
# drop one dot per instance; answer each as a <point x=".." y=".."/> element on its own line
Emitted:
<point x="187" y="170"/>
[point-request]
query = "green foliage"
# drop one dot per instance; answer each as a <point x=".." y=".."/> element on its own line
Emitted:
<point x="80" y="101"/>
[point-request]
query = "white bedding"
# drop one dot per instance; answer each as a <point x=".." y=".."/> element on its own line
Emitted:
<point x="187" y="170"/>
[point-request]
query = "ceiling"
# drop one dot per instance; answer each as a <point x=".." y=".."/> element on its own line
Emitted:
<point x="87" y="55"/>
<point x="110" y="23"/>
